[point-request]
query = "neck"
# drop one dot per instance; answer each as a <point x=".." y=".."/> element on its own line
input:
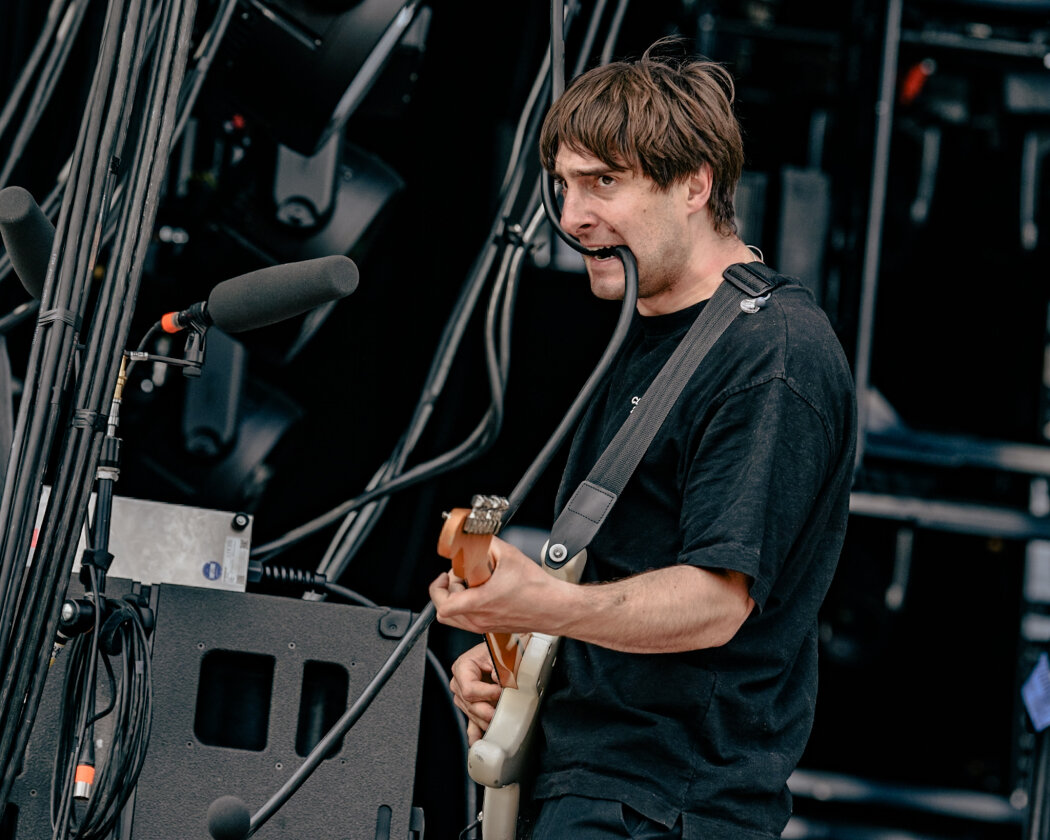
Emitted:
<point x="710" y="259"/>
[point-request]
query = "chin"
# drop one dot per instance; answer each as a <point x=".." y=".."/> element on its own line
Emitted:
<point x="607" y="285"/>
<point x="604" y="290"/>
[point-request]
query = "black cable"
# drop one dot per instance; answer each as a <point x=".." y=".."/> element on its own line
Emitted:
<point x="557" y="49"/>
<point x="209" y="47"/>
<point x="62" y="295"/>
<point x="484" y="435"/>
<point x="76" y="707"/>
<point x="467" y="450"/>
<point x="391" y="478"/>
<point x="50" y="74"/>
<point x="55" y="341"/>
<point x="108" y="333"/>
<point x="614" y="30"/>
<point x="497" y="362"/>
<point x="80" y="452"/>
<point x="383" y="484"/>
<point x="92" y="174"/>
<point x="122" y="635"/>
<point x="119" y="773"/>
<point x="37" y="420"/>
<point x="339" y="556"/>
<point x="16" y="507"/>
<point x="206" y="52"/>
<point x="14" y="96"/>
<point x="25" y="654"/>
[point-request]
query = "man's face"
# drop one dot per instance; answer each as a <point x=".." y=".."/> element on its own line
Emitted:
<point x="603" y="207"/>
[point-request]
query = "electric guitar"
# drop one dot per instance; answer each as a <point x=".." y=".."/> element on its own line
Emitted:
<point x="501" y="759"/>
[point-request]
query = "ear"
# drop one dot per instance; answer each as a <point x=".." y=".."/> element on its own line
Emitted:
<point x="698" y="187"/>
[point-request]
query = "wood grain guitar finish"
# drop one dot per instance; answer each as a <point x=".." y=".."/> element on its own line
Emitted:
<point x="465" y="539"/>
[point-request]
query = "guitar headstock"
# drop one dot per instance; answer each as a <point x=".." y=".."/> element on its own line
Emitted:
<point x="466" y="534"/>
<point x="464" y="540"/>
<point x="486" y="514"/>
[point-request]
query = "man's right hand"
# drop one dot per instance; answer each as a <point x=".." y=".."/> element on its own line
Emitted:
<point x="475" y="690"/>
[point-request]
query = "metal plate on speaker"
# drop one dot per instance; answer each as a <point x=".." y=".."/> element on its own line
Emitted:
<point x="157" y="542"/>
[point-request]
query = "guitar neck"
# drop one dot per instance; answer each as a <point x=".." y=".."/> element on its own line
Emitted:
<point x="468" y="549"/>
<point x="506" y="650"/>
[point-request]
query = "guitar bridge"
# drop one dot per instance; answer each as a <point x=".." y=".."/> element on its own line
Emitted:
<point x="486" y="514"/>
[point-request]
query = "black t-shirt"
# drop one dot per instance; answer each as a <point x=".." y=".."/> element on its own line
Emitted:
<point x="751" y="471"/>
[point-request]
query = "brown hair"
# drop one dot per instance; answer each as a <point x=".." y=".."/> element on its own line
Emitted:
<point x="660" y="115"/>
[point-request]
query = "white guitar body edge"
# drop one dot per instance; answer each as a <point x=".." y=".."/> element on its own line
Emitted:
<point x="498" y="759"/>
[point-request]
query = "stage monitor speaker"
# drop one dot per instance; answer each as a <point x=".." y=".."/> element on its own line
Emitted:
<point x="302" y="68"/>
<point x="244" y="686"/>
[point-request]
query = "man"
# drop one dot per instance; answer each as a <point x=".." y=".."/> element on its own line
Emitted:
<point x="684" y="690"/>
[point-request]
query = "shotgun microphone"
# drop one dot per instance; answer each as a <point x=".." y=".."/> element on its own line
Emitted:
<point x="268" y="295"/>
<point x="28" y="237"/>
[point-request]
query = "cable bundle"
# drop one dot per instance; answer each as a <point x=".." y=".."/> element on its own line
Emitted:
<point x="70" y="382"/>
<point x="90" y="811"/>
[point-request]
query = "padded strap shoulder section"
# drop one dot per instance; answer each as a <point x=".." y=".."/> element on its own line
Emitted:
<point x="753" y="278"/>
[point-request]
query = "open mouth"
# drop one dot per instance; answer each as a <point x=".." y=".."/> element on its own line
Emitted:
<point x="602" y="253"/>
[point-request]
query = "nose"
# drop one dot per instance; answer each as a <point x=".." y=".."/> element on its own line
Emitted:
<point x="576" y="216"/>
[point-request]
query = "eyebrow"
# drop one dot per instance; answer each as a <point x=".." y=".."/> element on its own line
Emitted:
<point x="600" y="169"/>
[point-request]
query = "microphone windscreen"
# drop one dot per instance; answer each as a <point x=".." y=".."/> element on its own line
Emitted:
<point x="272" y="294"/>
<point x="28" y="237"/>
<point x="228" y="819"/>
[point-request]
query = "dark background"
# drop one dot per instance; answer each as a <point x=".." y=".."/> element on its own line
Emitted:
<point x="928" y="631"/>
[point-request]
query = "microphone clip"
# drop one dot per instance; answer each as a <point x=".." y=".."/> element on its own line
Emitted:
<point x="193" y="352"/>
<point x="195" y="320"/>
<point x="196" y="317"/>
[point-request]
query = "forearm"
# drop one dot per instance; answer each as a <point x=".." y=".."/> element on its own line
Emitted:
<point x="662" y="611"/>
<point x="665" y="610"/>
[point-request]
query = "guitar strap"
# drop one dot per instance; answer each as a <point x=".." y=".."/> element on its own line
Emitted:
<point x="747" y="291"/>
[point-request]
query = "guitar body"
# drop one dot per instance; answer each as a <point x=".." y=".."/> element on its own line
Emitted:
<point x="500" y="760"/>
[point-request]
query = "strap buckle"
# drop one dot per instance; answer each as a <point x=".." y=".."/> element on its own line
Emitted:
<point x="752" y="305"/>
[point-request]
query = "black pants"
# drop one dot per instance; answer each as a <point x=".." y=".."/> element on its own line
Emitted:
<point x="582" y="818"/>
